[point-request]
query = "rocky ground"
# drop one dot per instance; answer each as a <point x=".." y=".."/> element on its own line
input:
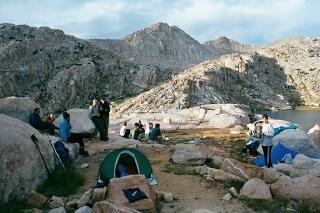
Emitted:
<point x="189" y="189"/>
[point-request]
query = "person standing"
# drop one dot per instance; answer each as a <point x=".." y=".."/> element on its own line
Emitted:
<point x="67" y="137"/>
<point x="104" y="110"/>
<point x="267" y="134"/>
<point x="97" y="119"/>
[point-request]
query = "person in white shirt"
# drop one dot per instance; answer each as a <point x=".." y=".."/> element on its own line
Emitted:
<point x="267" y="134"/>
<point x="124" y="131"/>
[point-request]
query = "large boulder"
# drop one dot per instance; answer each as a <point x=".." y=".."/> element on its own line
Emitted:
<point x="314" y="133"/>
<point x="19" y="108"/>
<point x="304" y="189"/>
<point x="303" y="165"/>
<point x="190" y="154"/>
<point x="242" y="170"/>
<point x="21" y="166"/>
<point x="109" y="207"/>
<point x="116" y="195"/>
<point x="80" y="121"/>
<point x="256" y="189"/>
<point x="220" y="175"/>
<point x="297" y="140"/>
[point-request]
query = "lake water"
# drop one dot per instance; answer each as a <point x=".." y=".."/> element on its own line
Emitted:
<point x="304" y="118"/>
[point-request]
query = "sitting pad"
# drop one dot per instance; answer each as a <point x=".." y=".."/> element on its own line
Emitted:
<point x="134" y="194"/>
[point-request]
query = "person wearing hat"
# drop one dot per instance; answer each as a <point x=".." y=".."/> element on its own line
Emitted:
<point x="104" y="111"/>
<point x="67" y="137"/>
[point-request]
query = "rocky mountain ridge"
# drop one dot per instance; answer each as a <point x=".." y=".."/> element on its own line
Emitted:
<point x="60" y="71"/>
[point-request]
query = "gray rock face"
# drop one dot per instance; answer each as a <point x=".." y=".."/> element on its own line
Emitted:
<point x="19" y="108"/>
<point x="79" y="120"/>
<point x="255" y="189"/>
<point x="304" y="189"/>
<point x="297" y="140"/>
<point x="84" y="209"/>
<point x="62" y="72"/>
<point x="21" y="166"/>
<point x="160" y="44"/>
<point x="314" y="133"/>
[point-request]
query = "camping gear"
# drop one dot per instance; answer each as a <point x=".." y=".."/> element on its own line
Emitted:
<point x="62" y="152"/>
<point x="278" y="154"/>
<point x="35" y="141"/>
<point x="134" y="194"/>
<point x="281" y="128"/>
<point x="196" y="140"/>
<point x="134" y="162"/>
<point x="56" y="153"/>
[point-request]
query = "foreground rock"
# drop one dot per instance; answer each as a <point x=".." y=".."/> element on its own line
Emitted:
<point x="242" y="170"/>
<point x="303" y="189"/>
<point x="189" y="154"/>
<point x="303" y="165"/>
<point x="297" y="140"/>
<point x="19" y="108"/>
<point x="116" y="195"/>
<point x="255" y="189"/>
<point x="220" y="175"/>
<point x="110" y="207"/>
<point x="314" y="133"/>
<point x="21" y="166"/>
<point x="35" y="200"/>
<point x="80" y="121"/>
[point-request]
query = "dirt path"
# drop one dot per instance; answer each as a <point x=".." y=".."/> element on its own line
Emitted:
<point x="191" y="194"/>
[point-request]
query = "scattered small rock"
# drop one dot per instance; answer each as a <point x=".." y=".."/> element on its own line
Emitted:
<point x="99" y="194"/>
<point x="167" y="197"/>
<point x="255" y="188"/>
<point x="58" y="210"/>
<point x="234" y="192"/>
<point x="84" y="209"/>
<point x="290" y="210"/>
<point x="227" y="197"/>
<point x="204" y="170"/>
<point x="35" y="199"/>
<point x="84" y="165"/>
<point x="85" y="198"/>
<point x="72" y="204"/>
<point x="56" y="202"/>
<point x="202" y="211"/>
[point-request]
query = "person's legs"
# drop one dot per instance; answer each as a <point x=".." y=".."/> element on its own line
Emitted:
<point x="98" y="122"/>
<point x="77" y="138"/>
<point x="106" y="126"/>
<point x="269" y="156"/>
<point x="265" y="154"/>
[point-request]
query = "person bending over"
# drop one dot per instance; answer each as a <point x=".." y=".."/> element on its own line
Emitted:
<point x="67" y="137"/>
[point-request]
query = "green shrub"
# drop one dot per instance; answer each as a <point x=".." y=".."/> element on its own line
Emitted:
<point x="62" y="182"/>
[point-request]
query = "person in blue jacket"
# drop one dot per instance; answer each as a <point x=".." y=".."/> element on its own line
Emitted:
<point x="67" y="137"/>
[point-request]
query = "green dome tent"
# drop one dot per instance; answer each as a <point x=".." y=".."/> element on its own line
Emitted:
<point x="134" y="162"/>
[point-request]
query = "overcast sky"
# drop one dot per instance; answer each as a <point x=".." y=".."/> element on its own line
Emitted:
<point x="248" y="21"/>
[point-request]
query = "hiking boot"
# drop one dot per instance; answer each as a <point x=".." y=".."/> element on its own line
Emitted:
<point x="82" y="152"/>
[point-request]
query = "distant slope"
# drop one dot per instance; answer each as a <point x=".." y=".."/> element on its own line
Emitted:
<point x="224" y="45"/>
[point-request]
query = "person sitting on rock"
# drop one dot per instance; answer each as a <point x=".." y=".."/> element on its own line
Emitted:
<point x="124" y="131"/>
<point x="142" y="132"/>
<point x="135" y="132"/>
<point x="267" y="134"/>
<point x="155" y="134"/>
<point x="67" y="137"/>
<point x="36" y="121"/>
<point x="98" y="121"/>
<point x="149" y="127"/>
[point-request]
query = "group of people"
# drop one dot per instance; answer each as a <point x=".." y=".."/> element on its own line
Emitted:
<point x="99" y="114"/>
<point x="138" y="132"/>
